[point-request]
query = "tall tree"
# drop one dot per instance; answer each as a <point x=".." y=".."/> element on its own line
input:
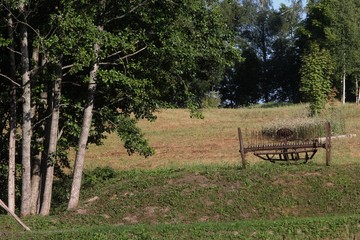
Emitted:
<point x="85" y="130"/>
<point x="12" y="120"/>
<point x="271" y="35"/>
<point x="26" y="113"/>
<point x="149" y="54"/>
<point x="53" y="136"/>
<point x="333" y="24"/>
<point x="181" y="55"/>
<point x="241" y="84"/>
<point x="285" y="59"/>
<point x="343" y="39"/>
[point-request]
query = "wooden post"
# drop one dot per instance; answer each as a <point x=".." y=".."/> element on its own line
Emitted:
<point x="242" y="152"/>
<point x="2" y="204"/>
<point x="328" y="143"/>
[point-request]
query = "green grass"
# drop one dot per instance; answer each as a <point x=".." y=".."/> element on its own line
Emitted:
<point x="226" y="193"/>
<point x="194" y="187"/>
<point x="264" y="201"/>
<point x="303" y="228"/>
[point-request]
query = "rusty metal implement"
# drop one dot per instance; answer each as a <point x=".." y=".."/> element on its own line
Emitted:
<point x="288" y="149"/>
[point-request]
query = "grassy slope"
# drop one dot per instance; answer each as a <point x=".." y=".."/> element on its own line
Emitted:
<point x="194" y="183"/>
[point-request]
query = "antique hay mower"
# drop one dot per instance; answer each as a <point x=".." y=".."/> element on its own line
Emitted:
<point x="284" y="145"/>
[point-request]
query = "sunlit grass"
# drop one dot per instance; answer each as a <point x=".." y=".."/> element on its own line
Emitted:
<point x="179" y="140"/>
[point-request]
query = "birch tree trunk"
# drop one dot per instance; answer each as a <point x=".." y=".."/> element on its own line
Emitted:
<point x="85" y="129"/>
<point x="357" y="91"/>
<point x="53" y="139"/>
<point x="344" y="87"/>
<point x="36" y="181"/>
<point x="26" y="114"/>
<point x="36" y="165"/>
<point x="12" y="125"/>
<point x="343" y="80"/>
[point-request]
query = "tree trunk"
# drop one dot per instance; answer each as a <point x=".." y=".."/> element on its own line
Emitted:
<point x="2" y="204"/>
<point x="344" y="88"/>
<point x="26" y="125"/>
<point x="53" y="139"/>
<point x="36" y="165"/>
<point x="12" y="124"/>
<point x="36" y="181"/>
<point x="37" y="169"/>
<point x="357" y="91"/>
<point x="343" y="82"/>
<point x="264" y="71"/>
<point x="85" y="129"/>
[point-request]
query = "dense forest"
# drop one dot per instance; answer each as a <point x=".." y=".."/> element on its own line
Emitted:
<point x="72" y="71"/>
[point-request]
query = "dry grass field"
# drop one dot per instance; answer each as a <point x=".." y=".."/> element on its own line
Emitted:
<point x="179" y="140"/>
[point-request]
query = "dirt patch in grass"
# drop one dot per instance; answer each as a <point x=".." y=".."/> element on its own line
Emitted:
<point x="130" y="219"/>
<point x="191" y="179"/>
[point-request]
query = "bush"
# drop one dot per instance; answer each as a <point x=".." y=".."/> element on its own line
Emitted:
<point x="211" y="100"/>
<point x="99" y="175"/>
<point x="316" y="71"/>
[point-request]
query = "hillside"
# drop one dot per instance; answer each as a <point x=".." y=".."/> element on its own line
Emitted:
<point x="261" y="202"/>
<point x="194" y="187"/>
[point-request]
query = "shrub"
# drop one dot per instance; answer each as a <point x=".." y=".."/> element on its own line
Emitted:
<point x="99" y="175"/>
<point x="317" y="68"/>
<point x="211" y="100"/>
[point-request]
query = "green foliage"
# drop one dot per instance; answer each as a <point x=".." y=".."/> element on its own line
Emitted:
<point x="98" y="175"/>
<point x="267" y="40"/>
<point x="342" y="35"/>
<point x="211" y="100"/>
<point x="152" y="54"/>
<point x="333" y="25"/>
<point x="195" y="111"/>
<point x="132" y="136"/>
<point x="241" y="84"/>
<point x="4" y="183"/>
<point x="190" y="54"/>
<point x="61" y="192"/>
<point x="4" y="42"/>
<point x="316" y="71"/>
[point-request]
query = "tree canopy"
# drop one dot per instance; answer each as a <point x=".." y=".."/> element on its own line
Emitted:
<point x="87" y="68"/>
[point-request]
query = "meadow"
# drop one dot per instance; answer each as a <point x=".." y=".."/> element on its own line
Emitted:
<point x="195" y="188"/>
<point x="179" y="140"/>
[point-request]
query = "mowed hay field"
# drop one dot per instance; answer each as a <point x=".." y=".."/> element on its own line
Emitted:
<point x="181" y="141"/>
